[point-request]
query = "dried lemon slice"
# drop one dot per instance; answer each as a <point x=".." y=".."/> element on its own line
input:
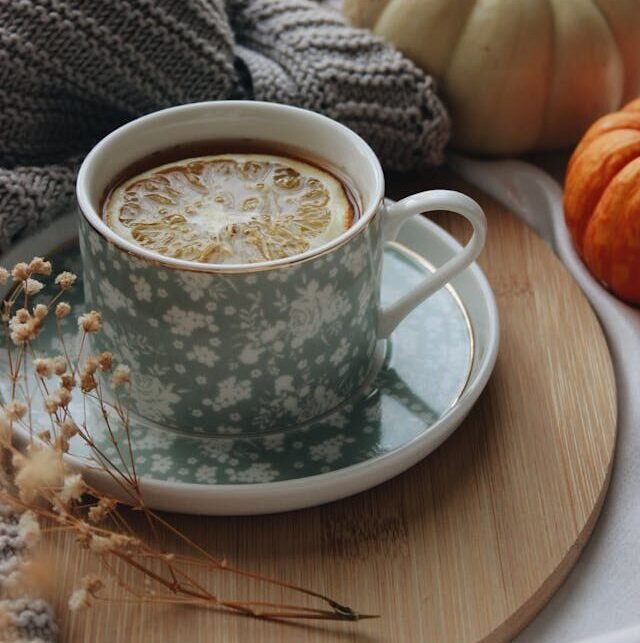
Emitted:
<point x="232" y="208"/>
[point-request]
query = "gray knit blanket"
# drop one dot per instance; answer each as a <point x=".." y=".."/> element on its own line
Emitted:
<point x="71" y="71"/>
<point x="23" y="618"/>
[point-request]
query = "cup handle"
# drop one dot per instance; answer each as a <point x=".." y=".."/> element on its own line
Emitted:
<point x="394" y="218"/>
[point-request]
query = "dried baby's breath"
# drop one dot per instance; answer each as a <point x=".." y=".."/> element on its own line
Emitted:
<point x="5" y="429"/>
<point x="20" y="271"/>
<point x="59" y="365"/>
<point x="121" y="375"/>
<point x="15" y="410"/>
<point x="79" y="600"/>
<point x="90" y="322"/>
<point x="88" y="382"/>
<point x="51" y="403"/>
<point x="111" y="543"/>
<point x="65" y="280"/>
<point x="38" y="472"/>
<point x="33" y="286"/>
<point x="41" y="485"/>
<point x="62" y="309"/>
<point x="82" y="597"/>
<point x="44" y="435"/>
<point x="98" y="512"/>
<point x="43" y="366"/>
<point x="105" y="361"/>
<point x="38" y="266"/>
<point x="40" y="311"/>
<point x="90" y="365"/>
<point x="68" y="381"/>
<point x="72" y="488"/>
<point x="68" y="428"/>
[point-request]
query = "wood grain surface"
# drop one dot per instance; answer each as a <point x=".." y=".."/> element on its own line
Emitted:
<point x="466" y="546"/>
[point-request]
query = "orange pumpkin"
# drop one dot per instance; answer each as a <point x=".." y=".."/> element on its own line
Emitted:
<point x="602" y="200"/>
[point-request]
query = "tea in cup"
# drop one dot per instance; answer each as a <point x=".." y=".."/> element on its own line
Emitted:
<point x="235" y="207"/>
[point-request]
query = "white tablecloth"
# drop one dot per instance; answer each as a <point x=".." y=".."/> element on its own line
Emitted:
<point x="600" y="600"/>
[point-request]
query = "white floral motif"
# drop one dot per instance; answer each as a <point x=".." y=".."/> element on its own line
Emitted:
<point x="129" y="348"/>
<point x="257" y="472"/>
<point x="230" y="392"/>
<point x="250" y="354"/>
<point x="132" y="264"/>
<point x="154" y="399"/>
<point x="365" y="296"/>
<point x="145" y="440"/>
<point x="228" y="430"/>
<point x="282" y="276"/>
<point x="283" y="384"/>
<point x="315" y="308"/>
<point x="340" y="419"/>
<point x="323" y="398"/>
<point x="184" y="322"/>
<point x="372" y="413"/>
<point x="271" y="332"/>
<point x="206" y="473"/>
<point x="195" y="284"/>
<point x="95" y="243"/>
<point x="340" y="353"/>
<point x="330" y="450"/>
<point x="161" y="463"/>
<point x="113" y="299"/>
<point x="217" y="450"/>
<point x="355" y="262"/>
<point x="202" y="355"/>
<point x="141" y="287"/>
<point x="274" y="443"/>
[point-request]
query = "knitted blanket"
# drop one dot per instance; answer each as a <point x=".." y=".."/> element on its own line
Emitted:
<point x="73" y="70"/>
<point x="22" y="618"/>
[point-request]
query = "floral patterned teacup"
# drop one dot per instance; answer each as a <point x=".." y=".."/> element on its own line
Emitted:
<point x="246" y="349"/>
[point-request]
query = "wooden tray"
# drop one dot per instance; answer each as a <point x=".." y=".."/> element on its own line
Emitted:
<point x="470" y="543"/>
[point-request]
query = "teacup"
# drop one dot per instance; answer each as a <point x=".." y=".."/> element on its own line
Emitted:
<point x="251" y="348"/>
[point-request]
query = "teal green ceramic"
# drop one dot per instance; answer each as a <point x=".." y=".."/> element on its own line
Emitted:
<point x="237" y="353"/>
<point x="425" y="370"/>
<point x="249" y="349"/>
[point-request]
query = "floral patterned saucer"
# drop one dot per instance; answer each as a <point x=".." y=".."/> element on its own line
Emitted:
<point x="436" y="364"/>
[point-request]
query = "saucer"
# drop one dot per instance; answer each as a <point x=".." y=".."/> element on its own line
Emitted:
<point x="436" y="364"/>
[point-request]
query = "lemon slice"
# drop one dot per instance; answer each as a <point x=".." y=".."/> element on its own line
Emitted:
<point x="232" y="208"/>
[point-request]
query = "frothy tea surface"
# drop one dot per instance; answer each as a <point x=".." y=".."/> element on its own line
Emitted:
<point x="230" y="208"/>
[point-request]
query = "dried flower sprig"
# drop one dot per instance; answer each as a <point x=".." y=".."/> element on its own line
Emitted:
<point x="52" y="497"/>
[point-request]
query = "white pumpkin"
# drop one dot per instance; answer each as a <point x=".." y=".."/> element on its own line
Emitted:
<point x="517" y="75"/>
